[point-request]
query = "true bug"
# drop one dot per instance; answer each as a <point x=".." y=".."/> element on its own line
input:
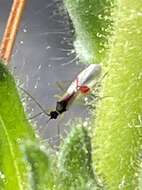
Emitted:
<point x="83" y="83"/>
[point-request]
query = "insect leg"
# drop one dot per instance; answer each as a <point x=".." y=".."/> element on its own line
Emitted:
<point x="59" y="129"/>
<point x="39" y="105"/>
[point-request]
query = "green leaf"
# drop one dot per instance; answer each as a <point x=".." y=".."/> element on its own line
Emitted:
<point x="140" y="177"/>
<point x="75" y="162"/>
<point x="118" y="126"/>
<point x="92" y="21"/>
<point x="43" y="166"/>
<point x="14" y="130"/>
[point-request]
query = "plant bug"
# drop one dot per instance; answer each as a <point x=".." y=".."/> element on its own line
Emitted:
<point x="82" y="84"/>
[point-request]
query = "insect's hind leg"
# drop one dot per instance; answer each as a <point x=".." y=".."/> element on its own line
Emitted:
<point x="59" y="124"/>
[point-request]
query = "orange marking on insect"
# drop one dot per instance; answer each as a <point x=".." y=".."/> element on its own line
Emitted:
<point x="84" y="89"/>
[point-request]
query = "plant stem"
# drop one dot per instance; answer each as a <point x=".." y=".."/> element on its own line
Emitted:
<point x="11" y="30"/>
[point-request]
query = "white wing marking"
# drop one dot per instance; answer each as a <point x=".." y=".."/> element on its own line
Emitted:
<point x="85" y="77"/>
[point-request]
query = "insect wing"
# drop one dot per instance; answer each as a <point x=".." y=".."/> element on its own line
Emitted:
<point x="89" y="74"/>
<point x="72" y="88"/>
<point x="85" y="77"/>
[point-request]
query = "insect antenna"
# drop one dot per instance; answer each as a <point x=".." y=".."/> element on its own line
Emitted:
<point x="39" y="105"/>
<point x="36" y="115"/>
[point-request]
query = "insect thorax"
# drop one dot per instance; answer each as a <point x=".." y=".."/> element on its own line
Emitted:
<point x="61" y="106"/>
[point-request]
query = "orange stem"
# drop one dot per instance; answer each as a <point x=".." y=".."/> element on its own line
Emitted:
<point x="11" y="30"/>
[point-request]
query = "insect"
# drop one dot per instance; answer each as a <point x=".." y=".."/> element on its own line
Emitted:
<point x="82" y="84"/>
